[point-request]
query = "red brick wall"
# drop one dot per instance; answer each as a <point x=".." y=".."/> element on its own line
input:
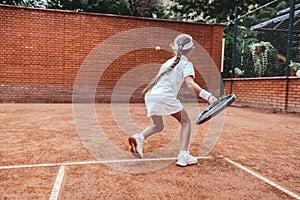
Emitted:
<point x="42" y="50"/>
<point x="276" y="93"/>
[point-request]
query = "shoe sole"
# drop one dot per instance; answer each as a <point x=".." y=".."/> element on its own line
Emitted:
<point x="133" y="147"/>
<point x="180" y="165"/>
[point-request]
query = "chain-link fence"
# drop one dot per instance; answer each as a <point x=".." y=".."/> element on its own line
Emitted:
<point x="261" y="48"/>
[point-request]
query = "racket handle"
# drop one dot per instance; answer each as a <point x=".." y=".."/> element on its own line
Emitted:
<point x="204" y="94"/>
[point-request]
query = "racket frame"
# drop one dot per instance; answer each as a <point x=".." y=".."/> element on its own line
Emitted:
<point x="212" y="110"/>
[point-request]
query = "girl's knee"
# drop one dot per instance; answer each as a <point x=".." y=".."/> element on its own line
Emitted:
<point x="185" y="121"/>
<point x="159" y="127"/>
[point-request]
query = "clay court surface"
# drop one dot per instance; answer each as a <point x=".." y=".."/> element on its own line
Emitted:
<point x="39" y="146"/>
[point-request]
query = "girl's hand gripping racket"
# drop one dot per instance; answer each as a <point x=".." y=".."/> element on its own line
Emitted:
<point x="215" y="108"/>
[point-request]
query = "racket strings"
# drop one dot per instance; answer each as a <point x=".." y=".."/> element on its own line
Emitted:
<point x="219" y="104"/>
<point x="215" y="108"/>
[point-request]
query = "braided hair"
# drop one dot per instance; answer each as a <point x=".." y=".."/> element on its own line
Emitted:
<point x="179" y="47"/>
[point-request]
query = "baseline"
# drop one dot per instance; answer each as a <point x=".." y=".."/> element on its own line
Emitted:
<point x="93" y="162"/>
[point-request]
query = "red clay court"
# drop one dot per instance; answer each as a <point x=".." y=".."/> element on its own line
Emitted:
<point x="42" y="157"/>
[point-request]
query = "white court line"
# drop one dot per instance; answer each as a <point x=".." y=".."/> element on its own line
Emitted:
<point x="91" y="162"/>
<point x="55" y="191"/>
<point x="292" y="194"/>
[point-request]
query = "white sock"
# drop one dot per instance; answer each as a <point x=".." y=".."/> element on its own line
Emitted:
<point x="181" y="152"/>
<point x="141" y="136"/>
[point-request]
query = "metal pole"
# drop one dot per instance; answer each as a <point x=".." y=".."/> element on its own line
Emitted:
<point x="288" y="51"/>
<point x="289" y="41"/>
<point x="234" y="46"/>
<point x="234" y="41"/>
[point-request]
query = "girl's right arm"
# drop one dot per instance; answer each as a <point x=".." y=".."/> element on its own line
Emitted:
<point x="189" y="80"/>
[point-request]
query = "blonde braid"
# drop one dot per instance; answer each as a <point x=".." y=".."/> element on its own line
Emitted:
<point x="181" y="42"/>
<point x="154" y="81"/>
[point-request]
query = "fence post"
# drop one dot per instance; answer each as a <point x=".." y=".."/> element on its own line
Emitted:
<point x="290" y="35"/>
<point x="234" y="45"/>
<point x="288" y="50"/>
<point x="234" y="41"/>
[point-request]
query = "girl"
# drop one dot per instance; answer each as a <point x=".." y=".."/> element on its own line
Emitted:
<point x="161" y="99"/>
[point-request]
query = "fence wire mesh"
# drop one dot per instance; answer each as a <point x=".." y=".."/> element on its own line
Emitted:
<point x="261" y="44"/>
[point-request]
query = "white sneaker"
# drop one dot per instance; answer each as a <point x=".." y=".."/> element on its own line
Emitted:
<point x="136" y="142"/>
<point x="185" y="159"/>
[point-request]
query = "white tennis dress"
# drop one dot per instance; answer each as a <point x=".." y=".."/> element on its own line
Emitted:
<point x="162" y="98"/>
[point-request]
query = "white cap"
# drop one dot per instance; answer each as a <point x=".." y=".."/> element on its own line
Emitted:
<point x="187" y="46"/>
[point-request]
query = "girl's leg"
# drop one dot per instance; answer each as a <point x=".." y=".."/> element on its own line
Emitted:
<point x="157" y="126"/>
<point x="137" y="140"/>
<point x="185" y="132"/>
<point x="184" y="157"/>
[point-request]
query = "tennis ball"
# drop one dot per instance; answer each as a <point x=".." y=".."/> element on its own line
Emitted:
<point x="157" y="48"/>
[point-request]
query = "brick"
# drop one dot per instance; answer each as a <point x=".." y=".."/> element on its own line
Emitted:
<point x="259" y="92"/>
<point x="43" y="50"/>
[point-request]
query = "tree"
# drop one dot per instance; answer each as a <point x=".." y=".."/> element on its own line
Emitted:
<point x="146" y="8"/>
<point x="30" y="3"/>
<point x="12" y="2"/>
<point x="211" y="10"/>
<point x="120" y="7"/>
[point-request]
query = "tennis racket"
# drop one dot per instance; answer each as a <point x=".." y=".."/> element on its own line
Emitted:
<point x="215" y="108"/>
